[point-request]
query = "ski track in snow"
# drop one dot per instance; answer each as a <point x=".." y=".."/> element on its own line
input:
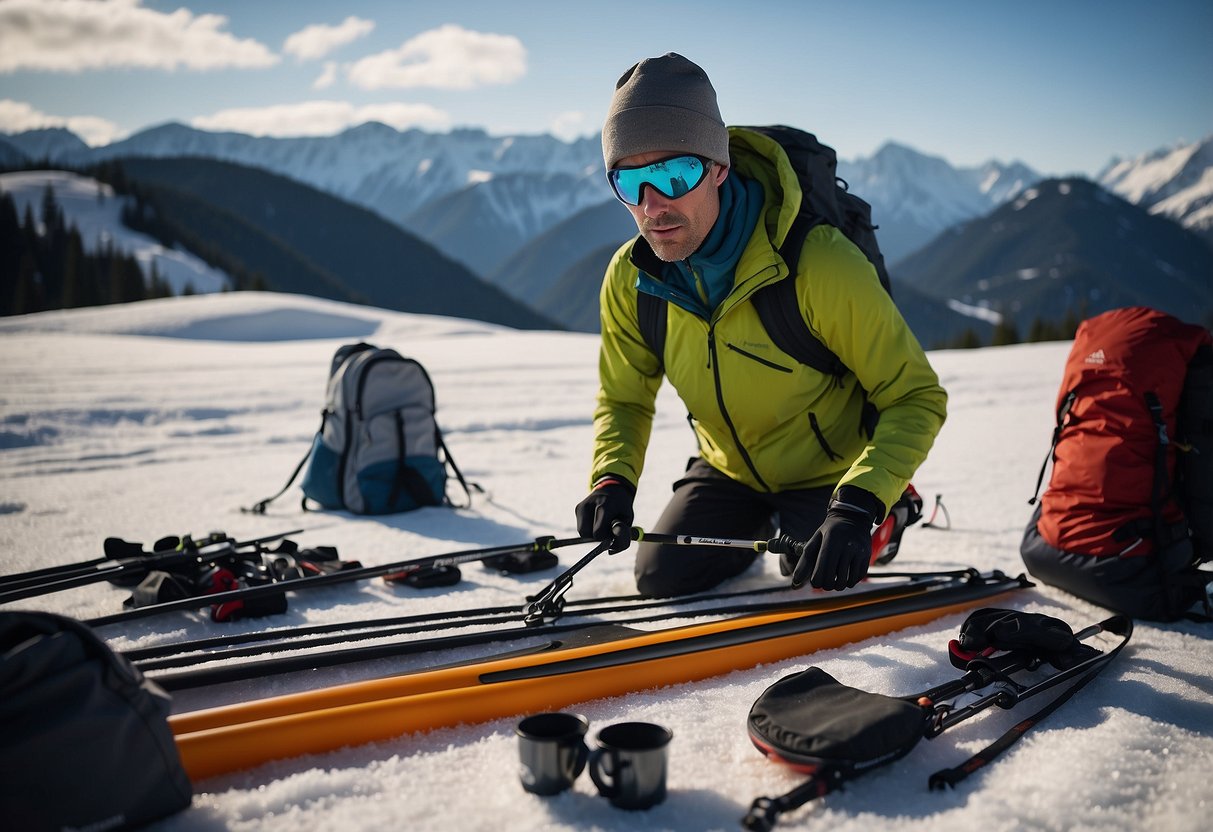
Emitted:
<point x="166" y="417"/>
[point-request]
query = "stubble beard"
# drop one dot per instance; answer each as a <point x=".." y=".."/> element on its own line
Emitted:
<point x="679" y="246"/>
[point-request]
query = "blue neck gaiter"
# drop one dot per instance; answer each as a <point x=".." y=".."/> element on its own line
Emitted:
<point x="707" y="276"/>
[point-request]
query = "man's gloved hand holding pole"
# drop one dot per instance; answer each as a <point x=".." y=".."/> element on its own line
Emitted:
<point x="606" y="514"/>
<point x="838" y="554"/>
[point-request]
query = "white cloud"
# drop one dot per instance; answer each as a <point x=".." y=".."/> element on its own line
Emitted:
<point x="77" y="35"/>
<point x="321" y="118"/>
<point x="18" y="116"/>
<point x="316" y="41"/>
<point x="449" y="57"/>
<point x="328" y="77"/>
<point x="572" y="125"/>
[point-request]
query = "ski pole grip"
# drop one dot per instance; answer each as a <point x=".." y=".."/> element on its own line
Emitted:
<point x="621" y="537"/>
<point x="786" y="545"/>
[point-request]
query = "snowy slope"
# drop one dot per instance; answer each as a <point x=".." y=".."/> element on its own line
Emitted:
<point x="96" y="211"/>
<point x="165" y="417"/>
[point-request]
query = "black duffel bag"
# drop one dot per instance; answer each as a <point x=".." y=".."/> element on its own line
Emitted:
<point x="84" y="737"/>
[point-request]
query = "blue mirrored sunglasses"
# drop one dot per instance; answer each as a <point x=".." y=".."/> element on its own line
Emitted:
<point x="672" y="178"/>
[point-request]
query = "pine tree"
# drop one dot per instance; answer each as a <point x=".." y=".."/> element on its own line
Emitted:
<point x="134" y="285"/>
<point x="1042" y="330"/>
<point x="969" y="340"/>
<point x="52" y="249"/>
<point x="12" y="247"/>
<point x="73" y="292"/>
<point x="1074" y="317"/>
<point x="28" y="296"/>
<point x="1005" y="332"/>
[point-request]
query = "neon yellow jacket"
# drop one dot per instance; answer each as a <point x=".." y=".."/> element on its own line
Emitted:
<point x="761" y="417"/>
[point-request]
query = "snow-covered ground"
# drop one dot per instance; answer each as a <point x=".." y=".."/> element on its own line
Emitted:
<point x="96" y="211"/>
<point x="166" y="417"/>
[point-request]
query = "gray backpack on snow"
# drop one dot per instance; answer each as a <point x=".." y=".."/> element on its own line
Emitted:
<point x="379" y="449"/>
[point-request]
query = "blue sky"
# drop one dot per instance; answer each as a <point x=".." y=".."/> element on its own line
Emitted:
<point x="1063" y="85"/>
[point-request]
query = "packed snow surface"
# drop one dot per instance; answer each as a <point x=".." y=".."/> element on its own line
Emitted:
<point x="166" y="417"/>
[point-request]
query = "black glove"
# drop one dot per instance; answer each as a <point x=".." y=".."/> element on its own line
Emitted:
<point x="840" y="551"/>
<point x="1037" y="635"/>
<point x="608" y="506"/>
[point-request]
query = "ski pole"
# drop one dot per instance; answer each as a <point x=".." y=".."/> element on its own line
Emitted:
<point x="765" y="811"/>
<point x="938" y="714"/>
<point x="48" y="572"/>
<point x="24" y="586"/>
<point x="542" y="544"/>
<point x="207" y="554"/>
<point x="951" y="776"/>
<point x="1012" y="693"/>
<point x="119" y="564"/>
<point x="548" y="603"/>
<point x="776" y="545"/>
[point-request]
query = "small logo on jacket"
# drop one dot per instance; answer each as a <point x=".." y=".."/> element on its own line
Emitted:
<point x="1096" y="357"/>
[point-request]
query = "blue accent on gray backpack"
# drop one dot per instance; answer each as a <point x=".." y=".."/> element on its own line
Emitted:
<point x="379" y="449"/>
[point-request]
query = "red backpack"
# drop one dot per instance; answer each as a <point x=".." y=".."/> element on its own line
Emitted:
<point x="1132" y="450"/>
<point x="1115" y="446"/>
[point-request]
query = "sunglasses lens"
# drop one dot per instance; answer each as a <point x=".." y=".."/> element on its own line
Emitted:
<point x="671" y="178"/>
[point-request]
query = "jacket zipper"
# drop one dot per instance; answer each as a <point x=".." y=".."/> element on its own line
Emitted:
<point x="714" y="363"/>
<point x="759" y="359"/>
<point x="825" y="446"/>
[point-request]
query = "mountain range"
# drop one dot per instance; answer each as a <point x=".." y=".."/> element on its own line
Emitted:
<point x="533" y="217"/>
<point x="1065" y="247"/>
<point x="504" y="191"/>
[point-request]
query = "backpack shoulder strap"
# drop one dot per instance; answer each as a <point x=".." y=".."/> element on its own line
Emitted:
<point x="779" y="310"/>
<point x="651" y="313"/>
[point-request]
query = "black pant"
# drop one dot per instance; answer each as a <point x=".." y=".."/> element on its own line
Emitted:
<point x="706" y="503"/>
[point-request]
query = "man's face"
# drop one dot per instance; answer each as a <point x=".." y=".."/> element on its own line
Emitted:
<point x="675" y="228"/>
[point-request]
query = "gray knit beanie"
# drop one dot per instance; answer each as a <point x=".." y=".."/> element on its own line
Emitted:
<point x="664" y="103"/>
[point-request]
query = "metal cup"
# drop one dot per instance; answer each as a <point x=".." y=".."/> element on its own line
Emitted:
<point x="551" y="751"/>
<point x="629" y="764"/>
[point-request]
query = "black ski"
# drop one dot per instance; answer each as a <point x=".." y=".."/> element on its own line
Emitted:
<point x="183" y="654"/>
<point x="972" y="583"/>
